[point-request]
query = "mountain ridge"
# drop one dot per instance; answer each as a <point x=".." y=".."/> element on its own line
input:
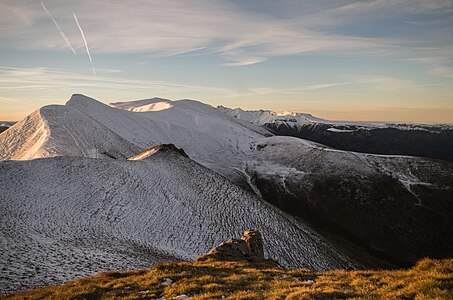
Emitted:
<point x="376" y="209"/>
<point x="79" y="216"/>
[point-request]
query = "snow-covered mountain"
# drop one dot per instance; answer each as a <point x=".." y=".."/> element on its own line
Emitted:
<point x="426" y="140"/>
<point x="297" y="119"/>
<point x="263" y="117"/>
<point x="66" y="217"/>
<point x="395" y="208"/>
<point x="86" y="127"/>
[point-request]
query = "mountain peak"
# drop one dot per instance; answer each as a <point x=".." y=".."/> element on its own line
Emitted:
<point x="83" y="102"/>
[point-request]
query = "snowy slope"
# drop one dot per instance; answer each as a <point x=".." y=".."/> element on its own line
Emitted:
<point x="86" y="127"/>
<point x="78" y="216"/>
<point x="262" y="117"/>
<point x="57" y="130"/>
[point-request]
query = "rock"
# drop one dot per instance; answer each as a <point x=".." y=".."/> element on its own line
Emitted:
<point x="249" y="246"/>
<point x="308" y="282"/>
<point x="167" y="281"/>
<point x="254" y="241"/>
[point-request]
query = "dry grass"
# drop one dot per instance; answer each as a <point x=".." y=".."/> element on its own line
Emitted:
<point x="210" y="279"/>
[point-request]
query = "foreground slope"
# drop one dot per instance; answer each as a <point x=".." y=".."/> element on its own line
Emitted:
<point x="232" y="274"/>
<point x="66" y="217"/>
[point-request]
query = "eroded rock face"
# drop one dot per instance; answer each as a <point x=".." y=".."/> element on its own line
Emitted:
<point x="249" y="246"/>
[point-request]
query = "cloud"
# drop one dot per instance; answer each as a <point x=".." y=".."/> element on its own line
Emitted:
<point x="84" y="42"/>
<point x="240" y="36"/>
<point x="43" y="78"/>
<point x="443" y="71"/>
<point x="62" y="34"/>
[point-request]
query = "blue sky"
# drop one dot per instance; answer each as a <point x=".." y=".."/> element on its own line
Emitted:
<point x="381" y="60"/>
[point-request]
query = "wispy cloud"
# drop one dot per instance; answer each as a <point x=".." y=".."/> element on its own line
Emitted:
<point x="85" y="42"/>
<point x="42" y="78"/>
<point x="444" y="71"/>
<point x="7" y="99"/>
<point x="63" y="35"/>
<point x="240" y="36"/>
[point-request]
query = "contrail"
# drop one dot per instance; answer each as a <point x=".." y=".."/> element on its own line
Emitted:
<point x="65" y="38"/>
<point x="85" y="41"/>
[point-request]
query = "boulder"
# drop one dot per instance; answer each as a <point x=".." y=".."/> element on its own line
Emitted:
<point x="250" y="246"/>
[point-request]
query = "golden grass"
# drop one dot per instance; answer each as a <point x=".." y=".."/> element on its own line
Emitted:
<point x="211" y="279"/>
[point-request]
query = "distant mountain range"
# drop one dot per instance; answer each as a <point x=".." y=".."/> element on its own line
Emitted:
<point x="5" y="125"/>
<point x="425" y="140"/>
<point x="133" y="183"/>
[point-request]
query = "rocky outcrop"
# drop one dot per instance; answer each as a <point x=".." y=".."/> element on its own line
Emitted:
<point x="254" y="241"/>
<point x="164" y="148"/>
<point x="249" y="247"/>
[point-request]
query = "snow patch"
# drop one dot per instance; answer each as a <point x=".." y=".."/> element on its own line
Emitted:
<point x="332" y="129"/>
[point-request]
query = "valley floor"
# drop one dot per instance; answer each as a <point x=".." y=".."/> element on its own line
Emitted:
<point x="213" y="279"/>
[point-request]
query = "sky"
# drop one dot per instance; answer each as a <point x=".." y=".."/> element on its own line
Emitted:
<point x="374" y="60"/>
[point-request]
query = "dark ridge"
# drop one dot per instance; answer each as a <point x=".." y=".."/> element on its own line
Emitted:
<point x="424" y="141"/>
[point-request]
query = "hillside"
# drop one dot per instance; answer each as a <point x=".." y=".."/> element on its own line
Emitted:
<point x="425" y="140"/>
<point x="86" y="127"/>
<point x="79" y="216"/>
<point x="250" y="277"/>
<point x="379" y="209"/>
<point x="398" y="208"/>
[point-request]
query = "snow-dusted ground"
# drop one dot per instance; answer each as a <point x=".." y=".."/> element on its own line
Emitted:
<point x="67" y="217"/>
<point x="283" y="157"/>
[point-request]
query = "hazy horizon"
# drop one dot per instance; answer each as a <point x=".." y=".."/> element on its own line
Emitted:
<point x="359" y="61"/>
<point x="249" y="109"/>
